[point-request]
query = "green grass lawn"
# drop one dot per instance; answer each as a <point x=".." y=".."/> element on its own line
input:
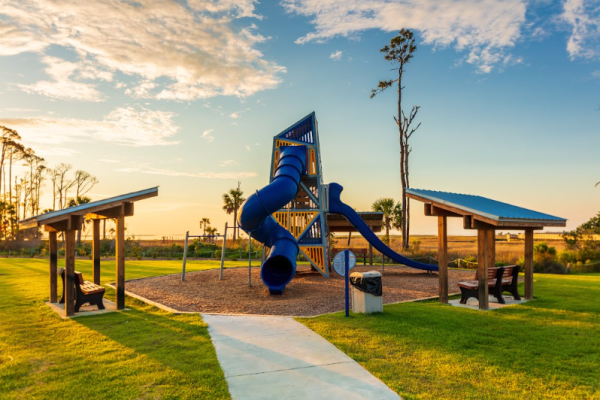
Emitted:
<point x="546" y="348"/>
<point x="141" y="353"/>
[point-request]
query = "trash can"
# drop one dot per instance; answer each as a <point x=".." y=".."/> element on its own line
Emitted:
<point x="366" y="292"/>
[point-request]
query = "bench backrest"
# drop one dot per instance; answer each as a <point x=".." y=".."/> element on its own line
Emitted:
<point x="511" y="271"/>
<point x="78" y="278"/>
<point x="493" y="273"/>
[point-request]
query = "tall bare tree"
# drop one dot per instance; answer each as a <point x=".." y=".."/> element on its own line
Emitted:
<point x="61" y="184"/>
<point x="399" y="52"/>
<point x="84" y="182"/>
<point x="16" y="153"/>
<point x="9" y="141"/>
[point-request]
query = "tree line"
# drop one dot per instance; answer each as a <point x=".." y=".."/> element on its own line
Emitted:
<point x="23" y="177"/>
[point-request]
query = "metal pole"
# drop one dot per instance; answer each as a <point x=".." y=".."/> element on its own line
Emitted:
<point x="249" y="259"/>
<point x="187" y="234"/>
<point x="346" y="259"/>
<point x="223" y="252"/>
<point x="262" y="256"/>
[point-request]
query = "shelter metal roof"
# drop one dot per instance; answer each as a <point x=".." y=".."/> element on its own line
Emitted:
<point x="493" y="210"/>
<point x="87" y="208"/>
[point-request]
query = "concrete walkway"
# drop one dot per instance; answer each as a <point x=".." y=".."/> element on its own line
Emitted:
<point x="279" y="358"/>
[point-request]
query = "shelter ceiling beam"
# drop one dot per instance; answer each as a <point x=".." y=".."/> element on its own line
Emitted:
<point x="125" y="209"/>
<point x="72" y="223"/>
<point x="434" y="211"/>
<point x="469" y="222"/>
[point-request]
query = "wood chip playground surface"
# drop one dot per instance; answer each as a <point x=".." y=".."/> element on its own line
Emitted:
<point x="308" y="294"/>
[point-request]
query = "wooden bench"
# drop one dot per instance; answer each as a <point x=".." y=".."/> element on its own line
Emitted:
<point x="500" y="280"/>
<point x="87" y="292"/>
<point x="358" y="252"/>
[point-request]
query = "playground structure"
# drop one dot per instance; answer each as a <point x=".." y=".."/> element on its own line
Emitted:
<point x="289" y="215"/>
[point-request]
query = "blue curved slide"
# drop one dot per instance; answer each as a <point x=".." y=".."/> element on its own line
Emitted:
<point x="255" y="218"/>
<point x="336" y="206"/>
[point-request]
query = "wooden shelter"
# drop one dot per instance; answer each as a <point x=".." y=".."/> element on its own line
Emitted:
<point x="486" y="216"/>
<point x="69" y="221"/>
<point x="339" y="223"/>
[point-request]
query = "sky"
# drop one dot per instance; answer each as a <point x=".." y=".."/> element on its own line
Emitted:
<point x="187" y="95"/>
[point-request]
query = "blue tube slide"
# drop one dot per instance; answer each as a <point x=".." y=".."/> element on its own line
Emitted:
<point x="255" y="218"/>
<point x="336" y="206"/>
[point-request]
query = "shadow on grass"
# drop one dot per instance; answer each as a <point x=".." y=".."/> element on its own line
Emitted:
<point x="180" y="343"/>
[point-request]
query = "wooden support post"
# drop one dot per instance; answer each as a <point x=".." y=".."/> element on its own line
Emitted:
<point x="482" y="269"/>
<point x="370" y="254"/>
<point x="120" y="261"/>
<point x="70" y="273"/>
<point x="53" y="265"/>
<point x="443" y="258"/>
<point x="491" y="248"/>
<point x="529" y="264"/>
<point x="96" y="250"/>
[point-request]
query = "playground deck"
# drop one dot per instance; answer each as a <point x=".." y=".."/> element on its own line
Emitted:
<point x="308" y="294"/>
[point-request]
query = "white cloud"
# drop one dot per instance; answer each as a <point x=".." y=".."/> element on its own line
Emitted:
<point x="147" y="169"/>
<point x="62" y="86"/>
<point x="584" y="18"/>
<point x="248" y="148"/>
<point x="483" y="28"/>
<point x="170" y="49"/>
<point x="127" y="126"/>
<point x="207" y="135"/>
<point x="238" y="114"/>
<point x="336" y="56"/>
<point x="228" y="163"/>
<point x="596" y="74"/>
<point x="21" y="109"/>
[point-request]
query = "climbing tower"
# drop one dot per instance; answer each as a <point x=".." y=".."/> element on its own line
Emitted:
<point x="305" y="216"/>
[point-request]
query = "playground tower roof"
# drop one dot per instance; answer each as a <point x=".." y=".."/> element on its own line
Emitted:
<point x="478" y="208"/>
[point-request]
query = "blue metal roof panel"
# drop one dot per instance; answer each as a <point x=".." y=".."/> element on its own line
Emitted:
<point x="87" y="206"/>
<point x="483" y="206"/>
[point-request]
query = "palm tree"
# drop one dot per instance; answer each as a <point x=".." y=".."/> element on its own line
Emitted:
<point x="211" y="231"/>
<point x="233" y="200"/>
<point x="392" y="214"/>
<point x="204" y="222"/>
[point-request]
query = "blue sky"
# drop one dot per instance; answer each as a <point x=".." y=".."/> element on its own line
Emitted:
<point x="188" y="95"/>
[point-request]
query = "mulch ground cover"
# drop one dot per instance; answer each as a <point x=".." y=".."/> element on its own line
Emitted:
<point x="308" y="294"/>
